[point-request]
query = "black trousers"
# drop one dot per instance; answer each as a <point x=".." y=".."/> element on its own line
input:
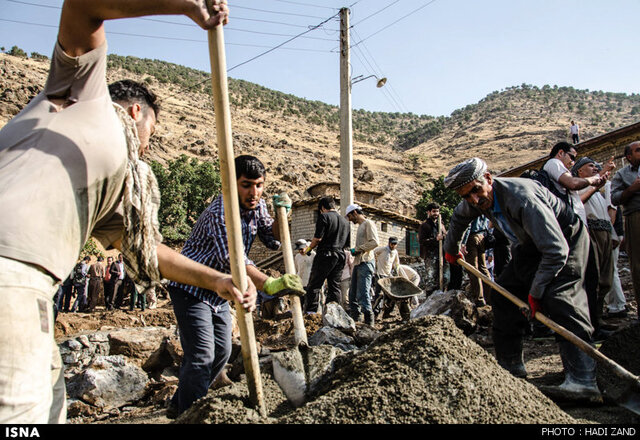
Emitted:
<point x="327" y="266"/>
<point x="564" y="300"/>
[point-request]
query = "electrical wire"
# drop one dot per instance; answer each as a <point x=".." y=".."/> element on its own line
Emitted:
<point x="305" y="4"/>
<point x="394" y="22"/>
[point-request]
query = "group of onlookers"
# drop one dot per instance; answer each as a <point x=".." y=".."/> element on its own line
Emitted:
<point x="108" y="285"/>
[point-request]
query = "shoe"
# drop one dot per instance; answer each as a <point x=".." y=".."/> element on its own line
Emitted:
<point x="601" y="335"/>
<point x="620" y="314"/>
<point x="570" y="391"/>
<point x="172" y="411"/>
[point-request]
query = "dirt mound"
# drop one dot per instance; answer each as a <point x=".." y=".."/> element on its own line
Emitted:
<point x="623" y="349"/>
<point x="426" y="371"/>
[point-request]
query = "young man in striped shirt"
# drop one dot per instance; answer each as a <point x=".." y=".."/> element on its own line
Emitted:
<point x="204" y="318"/>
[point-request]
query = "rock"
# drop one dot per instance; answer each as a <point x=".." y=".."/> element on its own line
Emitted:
<point x="109" y="382"/>
<point x="299" y="371"/>
<point x="365" y="335"/>
<point x="77" y="408"/>
<point x="452" y="303"/>
<point x="137" y="343"/>
<point x="330" y="336"/>
<point x="334" y="316"/>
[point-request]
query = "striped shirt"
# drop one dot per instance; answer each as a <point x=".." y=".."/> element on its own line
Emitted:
<point x="208" y="244"/>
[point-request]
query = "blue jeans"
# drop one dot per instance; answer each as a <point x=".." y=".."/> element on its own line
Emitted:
<point x="205" y="336"/>
<point x="360" y="291"/>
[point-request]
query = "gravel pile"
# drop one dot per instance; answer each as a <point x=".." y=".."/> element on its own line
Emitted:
<point x="426" y="371"/>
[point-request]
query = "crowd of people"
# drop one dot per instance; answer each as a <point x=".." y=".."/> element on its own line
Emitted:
<point x="101" y="284"/>
<point x="332" y="271"/>
<point x="89" y="138"/>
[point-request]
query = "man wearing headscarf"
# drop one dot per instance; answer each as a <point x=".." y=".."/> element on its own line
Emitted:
<point x="550" y="251"/>
<point x="600" y="267"/>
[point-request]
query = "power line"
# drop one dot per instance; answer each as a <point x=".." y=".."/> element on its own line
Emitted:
<point x="381" y="73"/>
<point x="170" y="38"/>
<point x="391" y="24"/>
<point x="376" y="13"/>
<point x="231" y="28"/>
<point x="305" y="4"/>
<point x="282" y="44"/>
<point x="275" y="12"/>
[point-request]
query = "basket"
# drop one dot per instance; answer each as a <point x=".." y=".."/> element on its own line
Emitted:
<point x="399" y="287"/>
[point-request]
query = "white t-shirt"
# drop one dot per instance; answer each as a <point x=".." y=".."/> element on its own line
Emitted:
<point x="303" y="263"/>
<point x="574" y="129"/>
<point x="556" y="168"/>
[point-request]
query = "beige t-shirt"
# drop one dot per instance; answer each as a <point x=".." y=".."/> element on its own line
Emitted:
<point x="366" y="241"/>
<point x="62" y="172"/>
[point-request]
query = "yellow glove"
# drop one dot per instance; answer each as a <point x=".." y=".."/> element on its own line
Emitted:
<point x="287" y="284"/>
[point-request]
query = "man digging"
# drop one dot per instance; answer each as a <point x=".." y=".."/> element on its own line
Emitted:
<point x="550" y="254"/>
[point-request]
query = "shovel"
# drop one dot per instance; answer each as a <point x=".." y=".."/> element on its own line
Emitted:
<point x="232" y="213"/>
<point x="630" y="399"/>
<point x="299" y="370"/>
<point x="299" y="331"/>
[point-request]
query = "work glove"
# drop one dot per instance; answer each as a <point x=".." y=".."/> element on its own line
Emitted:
<point x="534" y="306"/>
<point x="308" y="250"/>
<point x="282" y="201"/>
<point x="287" y="284"/>
<point x="453" y="259"/>
<point x="354" y="252"/>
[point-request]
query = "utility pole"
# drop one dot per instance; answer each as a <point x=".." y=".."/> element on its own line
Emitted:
<point x="346" y="143"/>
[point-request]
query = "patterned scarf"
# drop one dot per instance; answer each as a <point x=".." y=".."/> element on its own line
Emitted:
<point x="141" y="202"/>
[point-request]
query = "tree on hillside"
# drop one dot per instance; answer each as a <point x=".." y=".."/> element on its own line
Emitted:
<point x="440" y="194"/>
<point x="17" y="52"/>
<point x="186" y="188"/>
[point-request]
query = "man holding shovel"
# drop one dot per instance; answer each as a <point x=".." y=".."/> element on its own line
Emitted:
<point x="550" y="253"/>
<point x="204" y="318"/>
<point x="74" y="155"/>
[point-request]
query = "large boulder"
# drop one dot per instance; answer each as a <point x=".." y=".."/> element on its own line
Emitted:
<point x="109" y="382"/>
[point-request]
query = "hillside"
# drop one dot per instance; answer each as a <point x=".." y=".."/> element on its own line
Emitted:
<point x="298" y="140"/>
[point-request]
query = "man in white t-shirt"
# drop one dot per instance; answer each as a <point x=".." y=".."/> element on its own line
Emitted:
<point x="562" y="158"/>
<point x="600" y="270"/>
<point x="575" y="132"/>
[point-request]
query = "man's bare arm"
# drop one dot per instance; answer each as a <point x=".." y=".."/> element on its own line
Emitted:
<point x="81" y="21"/>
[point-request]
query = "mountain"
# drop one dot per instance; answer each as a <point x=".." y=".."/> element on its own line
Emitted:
<point x="298" y="139"/>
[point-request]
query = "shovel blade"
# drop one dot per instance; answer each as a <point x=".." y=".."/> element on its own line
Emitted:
<point x="630" y="400"/>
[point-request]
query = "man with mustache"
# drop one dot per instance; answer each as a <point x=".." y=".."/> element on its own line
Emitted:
<point x="550" y="253"/>
<point x="204" y="318"/>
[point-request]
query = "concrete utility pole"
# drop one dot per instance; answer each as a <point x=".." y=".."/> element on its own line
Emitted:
<point x="346" y="143"/>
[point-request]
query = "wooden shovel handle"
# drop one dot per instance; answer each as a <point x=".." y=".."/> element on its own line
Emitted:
<point x="569" y="336"/>
<point x="299" y="331"/>
<point x="232" y="212"/>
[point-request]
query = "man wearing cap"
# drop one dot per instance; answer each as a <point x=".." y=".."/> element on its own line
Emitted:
<point x="600" y="269"/>
<point x="303" y="262"/>
<point x="625" y="191"/>
<point x="473" y="248"/>
<point x="387" y="264"/>
<point x="547" y="268"/>
<point x="363" y="264"/>
<point x="332" y="236"/>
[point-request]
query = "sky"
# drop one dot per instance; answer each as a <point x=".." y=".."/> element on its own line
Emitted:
<point x="437" y="55"/>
